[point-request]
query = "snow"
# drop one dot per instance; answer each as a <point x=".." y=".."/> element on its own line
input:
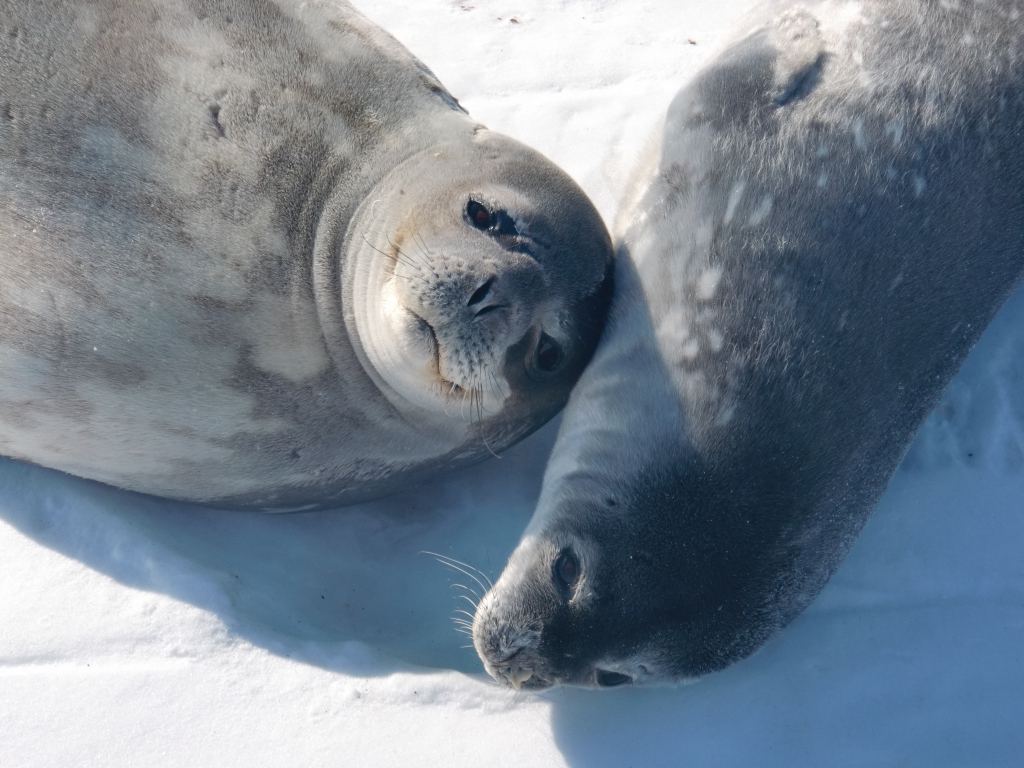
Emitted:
<point x="137" y="631"/>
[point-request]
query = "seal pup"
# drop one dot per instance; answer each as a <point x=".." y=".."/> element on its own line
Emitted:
<point x="834" y="213"/>
<point x="254" y="255"/>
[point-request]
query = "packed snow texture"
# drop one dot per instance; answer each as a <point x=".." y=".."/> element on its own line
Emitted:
<point x="142" y="632"/>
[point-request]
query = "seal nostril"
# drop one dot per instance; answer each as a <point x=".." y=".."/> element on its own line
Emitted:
<point x="489" y="308"/>
<point x="612" y="679"/>
<point x="481" y="293"/>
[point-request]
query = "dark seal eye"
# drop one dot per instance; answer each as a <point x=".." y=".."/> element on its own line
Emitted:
<point x="566" y="570"/>
<point x="478" y="215"/>
<point x="548" y="356"/>
<point x="504" y="225"/>
<point x="611" y="679"/>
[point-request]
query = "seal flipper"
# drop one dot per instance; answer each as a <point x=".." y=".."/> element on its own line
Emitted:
<point x="801" y="55"/>
<point x="779" y="63"/>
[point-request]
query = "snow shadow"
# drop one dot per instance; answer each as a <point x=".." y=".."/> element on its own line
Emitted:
<point x="302" y="584"/>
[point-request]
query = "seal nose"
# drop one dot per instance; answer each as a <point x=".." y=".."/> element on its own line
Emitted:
<point x="483" y="299"/>
<point x="516" y="675"/>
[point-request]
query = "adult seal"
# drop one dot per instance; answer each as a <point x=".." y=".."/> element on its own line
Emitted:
<point x="254" y="255"/>
<point x="833" y="215"/>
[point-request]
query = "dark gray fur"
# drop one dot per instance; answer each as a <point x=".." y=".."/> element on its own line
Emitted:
<point x="164" y="166"/>
<point x="790" y="350"/>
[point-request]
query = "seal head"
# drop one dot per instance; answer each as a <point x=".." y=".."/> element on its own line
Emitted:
<point x="474" y="280"/>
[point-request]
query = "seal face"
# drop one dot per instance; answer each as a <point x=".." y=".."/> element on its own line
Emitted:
<point x="252" y="254"/>
<point x="834" y="216"/>
<point x="470" y="304"/>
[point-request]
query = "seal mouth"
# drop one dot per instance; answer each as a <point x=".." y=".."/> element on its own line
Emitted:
<point x="519" y="676"/>
<point x="426" y="330"/>
<point x="523" y="676"/>
<point x="449" y="388"/>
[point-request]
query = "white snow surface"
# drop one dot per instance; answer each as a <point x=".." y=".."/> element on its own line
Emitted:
<point x="140" y="632"/>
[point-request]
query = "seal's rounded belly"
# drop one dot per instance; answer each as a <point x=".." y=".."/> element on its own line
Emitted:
<point x="253" y="254"/>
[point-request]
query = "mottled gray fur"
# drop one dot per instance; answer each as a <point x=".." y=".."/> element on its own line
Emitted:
<point x="833" y="214"/>
<point x="164" y="169"/>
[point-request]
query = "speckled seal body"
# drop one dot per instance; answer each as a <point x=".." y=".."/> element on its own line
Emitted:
<point x="833" y="214"/>
<point x="252" y="254"/>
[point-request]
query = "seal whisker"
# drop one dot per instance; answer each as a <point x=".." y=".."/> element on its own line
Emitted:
<point x="395" y="258"/>
<point x="473" y="568"/>
<point x="483" y="439"/>
<point x="423" y="256"/>
<point x="499" y="391"/>
<point x="424" y="250"/>
<point x="468" y="589"/>
<point x="475" y="599"/>
<point x="385" y="254"/>
<point x="480" y="426"/>
<point x="410" y="259"/>
<point x="466" y="565"/>
<point x="457" y="565"/>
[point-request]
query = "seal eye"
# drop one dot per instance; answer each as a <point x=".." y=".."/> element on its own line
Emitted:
<point x="566" y="570"/>
<point x="548" y="356"/>
<point x="504" y="225"/>
<point x="478" y="215"/>
<point x="611" y="679"/>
